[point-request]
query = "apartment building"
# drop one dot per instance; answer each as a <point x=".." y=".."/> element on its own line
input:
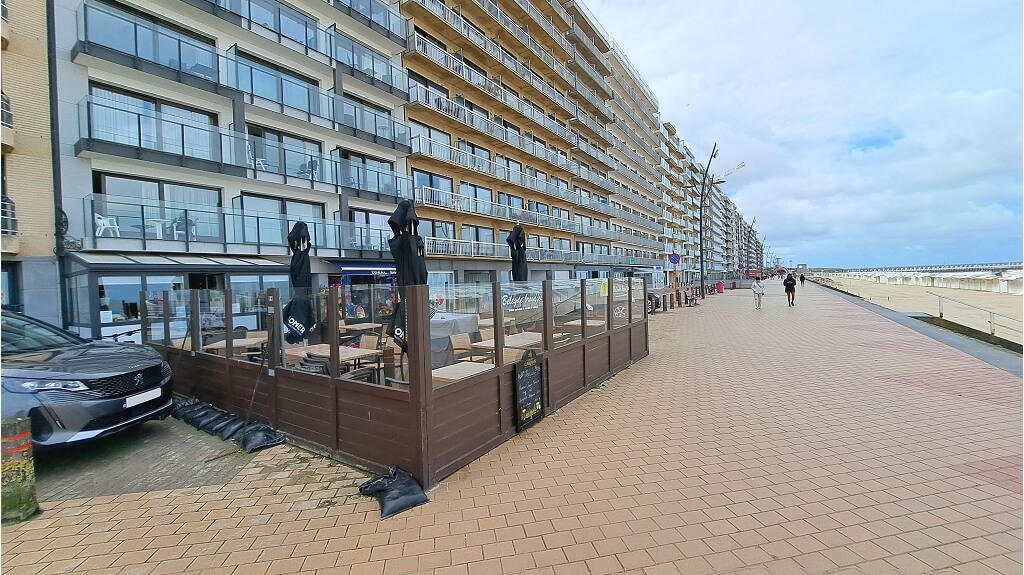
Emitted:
<point x="515" y="127"/>
<point x="195" y="133"/>
<point x="29" y="265"/>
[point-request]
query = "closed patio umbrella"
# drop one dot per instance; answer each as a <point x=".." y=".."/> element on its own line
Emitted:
<point x="410" y="269"/>
<point x="299" y="319"/>
<point x="517" y="243"/>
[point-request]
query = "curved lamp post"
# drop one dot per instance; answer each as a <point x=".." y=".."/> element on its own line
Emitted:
<point x="707" y="183"/>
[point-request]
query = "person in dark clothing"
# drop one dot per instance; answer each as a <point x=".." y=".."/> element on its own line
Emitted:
<point x="790" y="284"/>
<point x="802" y="278"/>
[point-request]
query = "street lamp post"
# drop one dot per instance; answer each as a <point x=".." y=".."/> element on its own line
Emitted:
<point x="707" y="183"/>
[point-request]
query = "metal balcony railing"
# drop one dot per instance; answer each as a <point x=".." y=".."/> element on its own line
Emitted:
<point x="434" y="197"/>
<point x="3" y="11"/>
<point x="594" y="52"/>
<point x="544" y="24"/>
<point x="592" y="125"/>
<point x="120" y="123"/>
<point x="591" y="97"/>
<point x="8" y="217"/>
<point x="597" y="154"/>
<point x="622" y="147"/>
<point x="6" y="115"/>
<point x="471" y="33"/>
<point x="306" y="33"/>
<point x="634" y="74"/>
<point x="451" y="247"/>
<point x="593" y="74"/>
<point x="166" y="47"/>
<point x="526" y="39"/>
<point x="438" y="101"/>
<point x="454" y="64"/>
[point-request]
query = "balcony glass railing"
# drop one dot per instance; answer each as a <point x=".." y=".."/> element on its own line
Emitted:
<point x="3" y="10"/>
<point x="438" y="101"/>
<point x="120" y="123"/>
<point x="591" y="97"/>
<point x="473" y="249"/>
<point x="454" y="201"/>
<point x="525" y="38"/>
<point x="161" y="45"/>
<point x="495" y="90"/>
<point x="634" y="75"/>
<point x="597" y="154"/>
<point x="376" y="12"/>
<point x="302" y="30"/>
<point x="474" y="35"/>
<point x="151" y="219"/>
<point x="6" y="115"/>
<point x="593" y="74"/>
<point x="594" y="51"/>
<point x="8" y="217"/>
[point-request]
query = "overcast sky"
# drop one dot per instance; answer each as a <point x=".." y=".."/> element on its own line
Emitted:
<point x="873" y="133"/>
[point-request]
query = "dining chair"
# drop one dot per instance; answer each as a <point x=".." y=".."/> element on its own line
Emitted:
<point x="105" y="223"/>
<point x="260" y="163"/>
<point x="462" y="345"/>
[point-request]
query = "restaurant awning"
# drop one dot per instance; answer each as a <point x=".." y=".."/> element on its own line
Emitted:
<point x="134" y="261"/>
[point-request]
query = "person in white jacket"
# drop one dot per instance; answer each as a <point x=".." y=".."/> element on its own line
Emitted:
<point x="758" y="288"/>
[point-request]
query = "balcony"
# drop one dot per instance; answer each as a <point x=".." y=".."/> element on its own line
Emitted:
<point x="634" y="74"/>
<point x="592" y="51"/>
<point x="116" y="128"/>
<point x="452" y="248"/>
<point x="590" y="97"/>
<point x="631" y="134"/>
<point x="632" y="155"/>
<point x="138" y="224"/>
<point x="432" y="197"/>
<point x="171" y="55"/>
<point x="596" y="178"/>
<point x="6" y="124"/>
<point x="306" y="36"/>
<point x="452" y="63"/>
<point x="596" y="129"/>
<point x="378" y="16"/>
<point x="595" y="153"/>
<point x="5" y="27"/>
<point x="426" y="147"/>
<point x="511" y="26"/>
<point x="8" y="227"/>
<point x="552" y="33"/>
<point x="418" y="95"/>
<point x="596" y="81"/>
<point x="489" y="47"/>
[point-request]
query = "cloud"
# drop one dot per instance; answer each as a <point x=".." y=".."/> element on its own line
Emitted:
<point x="872" y="134"/>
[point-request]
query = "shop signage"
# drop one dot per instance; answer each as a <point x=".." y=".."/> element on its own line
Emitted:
<point x="529" y="372"/>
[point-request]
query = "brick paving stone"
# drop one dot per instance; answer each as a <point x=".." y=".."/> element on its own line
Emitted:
<point x="816" y="439"/>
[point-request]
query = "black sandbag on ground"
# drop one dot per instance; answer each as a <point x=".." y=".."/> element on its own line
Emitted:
<point x="192" y="416"/>
<point x="259" y="435"/>
<point x="231" y="428"/>
<point x="208" y="418"/>
<point x="214" y="425"/>
<point x="396" y="492"/>
<point x="250" y="435"/>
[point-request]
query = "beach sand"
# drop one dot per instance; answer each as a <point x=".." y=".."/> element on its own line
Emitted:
<point x="917" y="299"/>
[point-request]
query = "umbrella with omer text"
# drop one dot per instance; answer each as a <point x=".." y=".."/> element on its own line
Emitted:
<point x="299" y="319"/>
<point x="407" y="249"/>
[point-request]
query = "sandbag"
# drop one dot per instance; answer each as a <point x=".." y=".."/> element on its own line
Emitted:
<point x="396" y="492"/>
<point x="259" y="435"/>
<point x="191" y="416"/>
<point x="230" y="428"/>
<point x="207" y="418"/>
<point x="186" y="406"/>
<point x="214" y="425"/>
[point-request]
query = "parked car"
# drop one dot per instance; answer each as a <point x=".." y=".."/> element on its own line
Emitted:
<point x="73" y="389"/>
<point x="653" y="302"/>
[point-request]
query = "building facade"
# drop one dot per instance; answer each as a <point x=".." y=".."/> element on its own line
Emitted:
<point x="194" y="134"/>
<point x="29" y="263"/>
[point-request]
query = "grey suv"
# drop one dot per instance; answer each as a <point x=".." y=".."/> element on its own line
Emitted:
<point x="73" y="389"/>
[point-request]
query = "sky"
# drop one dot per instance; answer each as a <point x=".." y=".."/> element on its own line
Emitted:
<point x="871" y="133"/>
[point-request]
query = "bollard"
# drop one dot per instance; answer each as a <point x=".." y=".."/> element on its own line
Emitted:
<point x="17" y="470"/>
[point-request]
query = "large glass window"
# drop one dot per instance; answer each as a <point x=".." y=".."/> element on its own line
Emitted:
<point x="283" y="152"/>
<point x="144" y="122"/>
<point x="161" y="210"/>
<point x="437" y="229"/>
<point x="266" y="80"/>
<point x="421" y="179"/>
<point x="509" y="169"/>
<point x="267" y="220"/>
<point x="366" y="172"/>
<point x="425" y="131"/>
<point x="478" y="233"/>
<point x="475" y="192"/>
<point x="119" y="298"/>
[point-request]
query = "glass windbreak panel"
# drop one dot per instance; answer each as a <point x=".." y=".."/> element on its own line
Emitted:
<point x="523" y="310"/>
<point x="248" y="303"/>
<point x="79" y="299"/>
<point x="176" y="306"/>
<point x="280" y="282"/>
<point x="639" y="299"/>
<point x="111" y="28"/>
<point x="620" y="302"/>
<point x="568" y="308"/>
<point x="211" y="320"/>
<point x="264" y="221"/>
<point x="596" y="298"/>
<point x="462" y="334"/>
<point x="119" y="298"/>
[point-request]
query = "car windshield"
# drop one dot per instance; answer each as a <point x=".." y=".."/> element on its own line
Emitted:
<point x="20" y="334"/>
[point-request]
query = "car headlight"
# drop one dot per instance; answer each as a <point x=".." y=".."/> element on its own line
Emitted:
<point x="35" y="385"/>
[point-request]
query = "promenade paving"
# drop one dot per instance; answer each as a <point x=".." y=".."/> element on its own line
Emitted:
<point x="820" y="438"/>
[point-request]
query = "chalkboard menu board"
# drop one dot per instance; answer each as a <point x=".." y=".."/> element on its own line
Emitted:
<point x="529" y="390"/>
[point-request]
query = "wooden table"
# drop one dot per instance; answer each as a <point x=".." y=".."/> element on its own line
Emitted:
<point x="521" y="339"/>
<point x="590" y="322"/>
<point x="489" y="321"/>
<point x="457" y="371"/>
<point x="324" y="350"/>
<point x="362" y="326"/>
<point x="237" y="344"/>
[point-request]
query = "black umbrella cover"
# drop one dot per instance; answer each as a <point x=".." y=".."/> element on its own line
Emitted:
<point x="407" y="249"/>
<point x="299" y="318"/>
<point x="517" y="242"/>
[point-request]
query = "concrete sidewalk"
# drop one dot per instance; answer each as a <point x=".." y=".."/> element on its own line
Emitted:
<point x="820" y="438"/>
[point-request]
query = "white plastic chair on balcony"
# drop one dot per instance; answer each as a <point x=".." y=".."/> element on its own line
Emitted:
<point x="105" y="223"/>
<point x="260" y="163"/>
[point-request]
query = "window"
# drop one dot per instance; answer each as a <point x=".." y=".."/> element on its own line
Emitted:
<point x="538" y="241"/>
<point x="416" y="80"/>
<point x="365" y="172"/>
<point x="372" y="229"/>
<point x="585" y="247"/>
<point x="436" y="229"/>
<point x="144" y="122"/>
<point x="561" y="213"/>
<point x="510" y="200"/>
<point x="539" y="207"/>
<point x="480" y="155"/>
<point x="278" y="149"/>
<point x="509" y="169"/>
<point x="424" y="131"/>
<point x="163" y="42"/>
<point x="266" y="80"/>
<point x="478" y="110"/>
<point x="558" y="182"/>
<point x="267" y="220"/>
<point x="562" y="244"/>
<point x="436" y="189"/>
<point x="477" y="233"/>
<point x="161" y="210"/>
<point x="119" y="298"/>
<point x="481" y="197"/>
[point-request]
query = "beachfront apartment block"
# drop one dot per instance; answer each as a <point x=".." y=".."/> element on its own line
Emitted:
<point x="194" y="133"/>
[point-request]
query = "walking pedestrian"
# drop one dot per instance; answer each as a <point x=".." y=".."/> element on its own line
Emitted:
<point x="790" y="284"/>
<point x="758" y="288"/>
<point x="802" y="278"/>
